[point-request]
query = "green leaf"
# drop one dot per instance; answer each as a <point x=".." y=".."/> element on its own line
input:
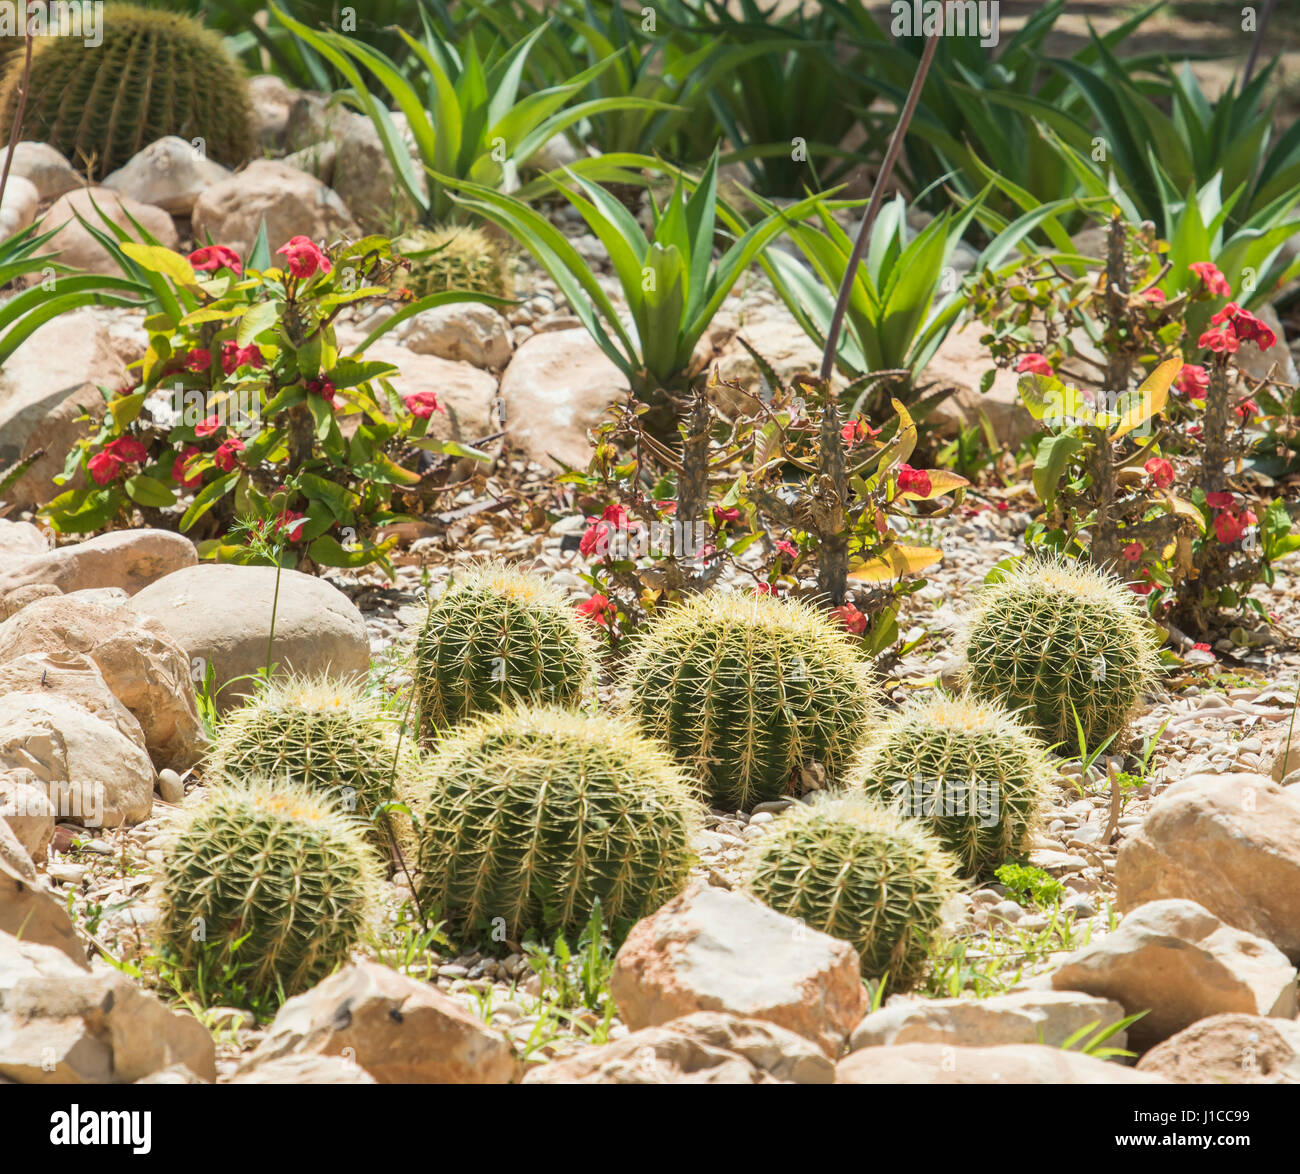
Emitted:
<point x="327" y="551"/>
<point x="1051" y="461"/>
<point x="261" y="317"/>
<point x="149" y="491"/>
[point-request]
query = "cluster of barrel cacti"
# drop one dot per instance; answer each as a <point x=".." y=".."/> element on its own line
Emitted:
<point x="526" y="809"/>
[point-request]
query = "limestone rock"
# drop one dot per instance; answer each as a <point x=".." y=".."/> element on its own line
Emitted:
<point x="75" y="678"/>
<point x="78" y="249"/>
<point x="26" y="808"/>
<point x="19" y="207"/>
<point x="270" y="99"/>
<point x="169" y="174"/>
<point x="1010" y="1064"/>
<point x="306" y="1069"/>
<point x="33" y="925"/>
<point x="465" y="393"/>
<point x="1229" y="1049"/>
<point x="959" y="363"/>
<point x="130" y="559"/>
<point x="43" y="167"/>
<point x="466" y="331"/>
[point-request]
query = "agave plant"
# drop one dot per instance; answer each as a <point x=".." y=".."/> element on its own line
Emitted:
<point x="467" y="117"/>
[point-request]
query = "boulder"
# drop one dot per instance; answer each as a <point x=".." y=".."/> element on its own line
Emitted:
<point x="75" y="245"/>
<point x="32" y="923"/>
<point x="558" y="387"/>
<point x="1010" y="1064"/>
<point x="270" y="99"/>
<point x="220" y="614"/>
<point x="169" y="174"/>
<point x="465" y="393"/>
<point x="43" y="167"/>
<point x="366" y="182"/>
<point x="465" y="331"/>
<point x="1024" y="1017"/>
<point x="19" y="207"/>
<point x="1229" y="842"/>
<point x="26" y="808"/>
<point x="772" y="331"/>
<point x="147" y="670"/>
<point x="714" y="950"/>
<point x="72" y="677"/>
<point x="129" y="559"/>
<point x="1229" y="1049"/>
<point x="959" y="363"/>
<point x="399" y="1030"/>
<point x="704" y="1048"/>
<point x="93" y="774"/>
<point x="291" y="202"/>
<point x="1179" y="963"/>
<point x="306" y="1069"/>
<point x="20" y="541"/>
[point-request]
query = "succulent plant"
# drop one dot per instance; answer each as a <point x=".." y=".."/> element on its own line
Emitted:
<point x="745" y="690"/>
<point x="266" y="887"/>
<point x="853" y="869"/>
<point x="155" y="73"/>
<point x="319" y="731"/>
<point x="454" y="257"/>
<point x="494" y="636"/>
<point x="1055" y="638"/>
<point x="529" y="816"/>
<point x="965" y="767"/>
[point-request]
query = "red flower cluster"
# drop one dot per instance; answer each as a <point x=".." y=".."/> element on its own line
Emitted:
<point x="303" y="258"/>
<point x="613" y="517"/>
<point x="788" y="549"/>
<point x="205" y="428"/>
<point x="323" y="388"/>
<point x="1133" y="552"/>
<point x="598" y="608"/>
<point x="728" y="517"/>
<point x="852" y="619"/>
<point x="233" y="356"/>
<point x="1231" y="525"/>
<point x="225" y="457"/>
<point x="215" y="257"/>
<point x="1193" y="381"/>
<point x="422" y="404"/>
<point x="1215" y="283"/>
<point x="1035" y="364"/>
<point x="856" y="431"/>
<point x="1154" y="295"/>
<point x="178" y="468"/>
<point x="106" y="465"/>
<point x="1160" y="471"/>
<point x="199" y="361"/>
<point x="912" y="480"/>
<point x="1236" y="326"/>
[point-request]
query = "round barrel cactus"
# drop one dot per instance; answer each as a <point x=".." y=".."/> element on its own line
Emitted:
<point x="745" y="690"/>
<point x="496" y="636"/>
<point x="529" y="816"/>
<point x="853" y="869"/>
<point x="155" y="73"/>
<point x="968" y="769"/>
<point x="1056" y="639"/>
<point x="265" y="886"/>
<point x="454" y="257"/>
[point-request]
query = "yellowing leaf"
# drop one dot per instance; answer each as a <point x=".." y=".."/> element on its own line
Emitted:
<point x="1136" y="408"/>
<point x="896" y="562"/>
<point x="160" y="260"/>
<point x="1185" y="509"/>
<point x="906" y="436"/>
<point x="1049" y="401"/>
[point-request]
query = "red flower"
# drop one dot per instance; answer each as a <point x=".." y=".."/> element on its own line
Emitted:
<point x="1154" y="294"/>
<point x="599" y="609"/>
<point x="127" y="448"/>
<point x="1221" y="341"/>
<point x="1143" y="588"/>
<point x="1035" y="364"/>
<point x="178" y="468"/>
<point x="291" y="522"/>
<point x="104" y="467"/>
<point x="423" y="404"/>
<point x="852" y="619"/>
<point x="1248" y="328"/>
<point x="856" y="431"/>
<point x="303" y="257"/>
<point x="225" y="458"/>
<point x="1160" y="471"/>
<point x="233" y="356"/>
<point x="1194" y="431"/>
<point x="1215" y="282"/>
<point x="323" y="388"/>
<point x="723" y="517"/>
<point x="596" y="539"/>
<point x="764" y="589"/>
<point x="912" y="480"/>
<point x="215" y="257"/>
<point x="1220" y="500"/>
<point x="1247" y="408"/>
<point x="1193" y="381"/>
<point x="788" y="549"/>
<point x="1201" y="648"/>
<point x="1225" y="314"/>
<point x="1133" y="552"/>
<point x="1231" y="525"/>
<point x="198" y="361"/>
<point x="205" y="428"/>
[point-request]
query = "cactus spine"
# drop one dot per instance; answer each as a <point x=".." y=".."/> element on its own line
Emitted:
<point x="454" y="257"/>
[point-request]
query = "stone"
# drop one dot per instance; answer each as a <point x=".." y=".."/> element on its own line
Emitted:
<point x="315" y="118"/>
<point x="20" y="540"/>
<point x="1009" y="1064"/>
<point x="714" y="950"/>
<point x="772" y="331"/>
<point x="129" y="559"/>
<point x="557" y="387"/>
<point x="1287" y="760"/>
<point x="366" y="182"/>
<point x="306" y="1069"/>
<point x="169" y="174"/>
<point x="172" y="1074"/>
<point x="31" y="920"/>
<point x="1229" y="1049"/>
<point x="399" y="1030"/>
<point x="171" y="787"/>
<point x="43" y="167"/>
<point x="270" y="99"/>
<point x="12" y="602"/>
<point x="146" y="669"/>
<point x="78" y="249"/>
<point x="465" y="331"/>
<point x="1274" y="363"/>
<point x="959" y="363"/>
<point x="465" y="393"/>
<point x="220" y="614"/>
<point x="93" y="774"/>
<point x="704" y="1048"/>
<point x="1179" y="963"/>
<point x="291" y="202"/>
<point x="1028" y="1017"/>
<point x="26" y="808"/>
<point x="1230" y="842"/>
<point x="19" y="207"/>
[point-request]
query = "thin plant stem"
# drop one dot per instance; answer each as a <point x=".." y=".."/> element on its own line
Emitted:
<point x="19" y="110"/>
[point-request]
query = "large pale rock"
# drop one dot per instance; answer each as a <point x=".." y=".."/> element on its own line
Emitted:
<point x="558" y="387"/>
<point x="366" y="182"/>
<point x="714" y="950"/>
<point x="1229" y="1049"/>
<point x="465" y="393"/>
<point x="32" y="923"/>
<point x="73" y="677"/>
<point x="1010" y="1064"/>
<point x="43" y="167"/>
<point x="1274" y="363"/>
<point x="270" y="99"/>
<point x="1229" y="842"/>
<point x="1180" y="963"/>
<point x="292" y="203"/>
<point x="959" y="363"/>
<point x="147" y="669"/>
<point x="220" y="614"/>
<point x="169" y="174"/>
<point x="91" y="772"/>
<point x="75" y="245"/>
<point x="19" y="207"/>
<point x="772" y="331"/>
<point x="20" y="541"/>
<point x="704" y="1048"/>
<point x="130" y="559"/>
<point x="27" y="809"/>
<point x="399" y="1030"/>
<point x="1024" y="1017"/>
<point x="63" y="1024"/>
<point x="306" y="1069"/>
<point x="465" y="331"/>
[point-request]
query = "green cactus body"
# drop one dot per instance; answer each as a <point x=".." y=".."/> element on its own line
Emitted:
<point x="853" y="869"/>
<point x="495" y="636"/>
<point x="319" y="731"/>
<point x="155" y="74"/>
<point x="1054" y="638"/>
<point x="531" y="815"/>
<point x="454" y="257"/>
<point x="278" y="864"/>
<point x="747" y="689"/>
<point x="966" y="768"/>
